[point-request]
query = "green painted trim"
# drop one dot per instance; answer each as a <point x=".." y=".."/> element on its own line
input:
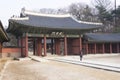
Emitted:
<point x="51" y="36"/>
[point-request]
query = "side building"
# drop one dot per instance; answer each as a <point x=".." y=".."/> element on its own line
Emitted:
<point x="101" y="43"/>
<point x="3" y="38"/>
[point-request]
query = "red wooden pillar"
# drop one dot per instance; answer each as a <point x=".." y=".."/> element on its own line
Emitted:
<point x="58" y="47"/>
<point x="80" y="41"/>
<point x="103" y="48"/>
<point x="34" y="46"/>
<point x="65" y="45"/>
<point x="110" y="47"/>
<point x="26" y="45"/>
<point x="0" y="47"/>
<point x="22" y="49"/>
<point x="95" y="47"/>
<point x="18" y="41"/>
<point x="55" y="46"/>
<point x="86" y="48"/>
<point x="39" y="47"/>
<point x="118" y="48"/>
<point x="52" y="43"/>
<point x="45" y="46"/>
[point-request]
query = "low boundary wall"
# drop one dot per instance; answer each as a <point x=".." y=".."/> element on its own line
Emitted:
<point x="11" y="52"/>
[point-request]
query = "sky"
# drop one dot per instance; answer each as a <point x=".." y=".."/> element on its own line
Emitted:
<point x="13" y="7"/>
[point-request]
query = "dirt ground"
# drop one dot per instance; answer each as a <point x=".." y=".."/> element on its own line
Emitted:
<point x="2" y="63"/>
<point x="52" y="70"/>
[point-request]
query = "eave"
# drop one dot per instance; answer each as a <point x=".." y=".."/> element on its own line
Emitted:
<point x="19" y="29"/>
<point x="3" y="34"/>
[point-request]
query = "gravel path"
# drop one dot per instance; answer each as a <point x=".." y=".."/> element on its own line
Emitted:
<point x="52" y="70"/>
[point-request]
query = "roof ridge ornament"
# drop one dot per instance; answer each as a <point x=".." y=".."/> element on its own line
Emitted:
<point x="22" y="14"/>
<point x="23" y="10"/>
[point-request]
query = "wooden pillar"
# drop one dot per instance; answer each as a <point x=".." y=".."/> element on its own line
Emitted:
<point x="57" y="46"/>
<point x="80" y="41"/>
<point x="95" y="47"/>
<point x="22" y="47"/>
<point x="86" y="48"/>
<point x="26" y="45"/>
<point x="18" y="41"/>
<point x="52" y="46"/>
<point x="0" y="47"/>
<point x="45" y="46"/>
<point x="34" y="46"/>
<point x="110" y="47"/>
<point x="118" y="48"/>
<point x="65" y="45"/>
<point x="39" y="47"/>
<point x="103" y="48"/>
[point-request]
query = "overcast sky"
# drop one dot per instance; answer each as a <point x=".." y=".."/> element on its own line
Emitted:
<point x="13" y="7"/>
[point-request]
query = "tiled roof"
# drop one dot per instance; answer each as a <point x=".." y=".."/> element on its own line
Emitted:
<point x="53" y="21"/>
<point x="102" y="37"/>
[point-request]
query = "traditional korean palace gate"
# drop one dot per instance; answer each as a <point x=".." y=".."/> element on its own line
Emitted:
<point x="62" y="32"/>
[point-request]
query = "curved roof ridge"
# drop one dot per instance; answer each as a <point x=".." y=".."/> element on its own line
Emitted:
<point x="19" y="18"/>
<point x="101" y="33"/>
<point x="47" y="15"/>
<point x="85" y="22"/>
<point x="90" y="22"/>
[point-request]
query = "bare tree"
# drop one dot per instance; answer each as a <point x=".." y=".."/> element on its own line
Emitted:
<point x="48" y="11"/>
<point x="103" y="7"/>
<point x="62" y="11"/>
<point x="103" y="3"/>
<point x="87" y="14"/>
<point x="76" y="10"/>
<point x="104" y="12"/>
<point x="54" y="11"/>
<point x="83" y="12"/>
